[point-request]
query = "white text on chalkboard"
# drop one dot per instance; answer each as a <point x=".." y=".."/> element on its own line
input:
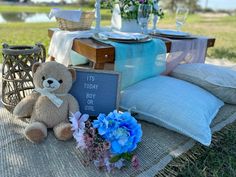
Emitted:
<point x="96" y="91"/>
<point x="90" y="78"/>
<point x="90" y="86"/>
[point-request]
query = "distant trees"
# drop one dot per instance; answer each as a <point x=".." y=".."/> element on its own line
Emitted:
<point x="24" y="1"/>
<point x="11" y="0"/>
<point x="173" y="4"/>
<point x="86" y="2"/>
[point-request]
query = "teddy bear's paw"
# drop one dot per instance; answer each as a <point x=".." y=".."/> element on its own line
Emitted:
<point x="63" y="131"/>
<point x="36" y="132"/>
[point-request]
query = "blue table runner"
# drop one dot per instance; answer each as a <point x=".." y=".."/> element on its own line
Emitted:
<point x="139" y="61"/>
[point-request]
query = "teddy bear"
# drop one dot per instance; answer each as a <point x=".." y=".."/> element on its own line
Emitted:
<point x="50" y="104"/>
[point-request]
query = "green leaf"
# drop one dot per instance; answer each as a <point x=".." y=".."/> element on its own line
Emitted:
<point x="127" y="156"/>
<point x="115" y="158"/>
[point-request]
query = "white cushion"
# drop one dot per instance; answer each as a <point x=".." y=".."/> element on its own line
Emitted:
<point x="218" y="80"/>
<point x="174" y="104"/>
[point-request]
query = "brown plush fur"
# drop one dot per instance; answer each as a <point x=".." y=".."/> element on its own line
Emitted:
<point x="42" y="112"/>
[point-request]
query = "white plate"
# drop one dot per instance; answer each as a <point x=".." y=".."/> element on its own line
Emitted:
<point x="172" y="33"/>
<point x="123" y="40"/>
<point x="121" y="35"/>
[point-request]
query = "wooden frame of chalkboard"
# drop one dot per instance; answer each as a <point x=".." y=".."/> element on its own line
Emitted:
<point x="97" y="91"/>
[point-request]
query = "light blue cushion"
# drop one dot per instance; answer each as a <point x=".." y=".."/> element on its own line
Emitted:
<point x="77" y="59"/>
<point x="218" y="80"/>
<point x="174" y="104"/>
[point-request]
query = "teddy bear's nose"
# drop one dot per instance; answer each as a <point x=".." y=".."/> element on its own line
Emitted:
<point x="50" y="81"/>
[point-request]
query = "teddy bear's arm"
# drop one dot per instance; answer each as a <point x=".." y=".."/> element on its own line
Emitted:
<point x="73" y="104"/>
<point x="25" y="107"/>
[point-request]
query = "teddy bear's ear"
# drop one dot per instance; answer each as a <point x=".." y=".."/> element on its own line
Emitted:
<point x="73" y="73"/>
<point x="35" y="67"/>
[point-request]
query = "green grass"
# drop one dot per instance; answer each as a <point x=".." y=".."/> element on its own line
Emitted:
<point x="222" y="28"/>
<point x="45" y="9"/>
<point x="25" y="34"/>
<point x="218" y="160"/>
<point x="41" y="8"/>
<point x="22" y="8"/>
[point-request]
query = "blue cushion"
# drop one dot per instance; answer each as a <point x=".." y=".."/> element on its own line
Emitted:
<point x="174" y="104"/>
<point x="77" y="59"/>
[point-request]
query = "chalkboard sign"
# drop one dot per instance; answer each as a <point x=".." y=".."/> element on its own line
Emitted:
<point x="96" y="91"/>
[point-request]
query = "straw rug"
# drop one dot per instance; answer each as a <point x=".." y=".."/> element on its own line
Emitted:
<point x="53" y="158"/>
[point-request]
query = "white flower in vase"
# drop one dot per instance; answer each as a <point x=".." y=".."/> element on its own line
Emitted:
<point x="125" y="13"/>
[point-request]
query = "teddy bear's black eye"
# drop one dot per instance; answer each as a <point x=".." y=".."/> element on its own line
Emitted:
<point x="43" y="78"/>
<point x="60" y="81"/>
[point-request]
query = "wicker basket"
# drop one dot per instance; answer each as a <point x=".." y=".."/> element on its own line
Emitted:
<point x="85" y="22"/>
<point x="17" y="81"/>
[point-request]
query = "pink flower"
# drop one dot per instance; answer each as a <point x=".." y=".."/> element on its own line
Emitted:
<point x="78" y="120"/>
<point x="79" y="137"/>
<point x="135" y="162"/>
<point x="78" y="125"/>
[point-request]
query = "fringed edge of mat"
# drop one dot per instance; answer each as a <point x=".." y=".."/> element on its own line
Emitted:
<point x="194" y="151"/>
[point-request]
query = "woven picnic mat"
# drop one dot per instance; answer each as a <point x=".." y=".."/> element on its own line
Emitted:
<point x="53" y="158"/>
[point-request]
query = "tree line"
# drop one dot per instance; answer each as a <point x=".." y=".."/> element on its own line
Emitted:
<point x="172" y="5"/>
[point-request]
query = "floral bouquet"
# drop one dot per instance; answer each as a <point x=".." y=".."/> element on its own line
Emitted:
<point x="129" y="8"/>
<point x="108" y="141"/>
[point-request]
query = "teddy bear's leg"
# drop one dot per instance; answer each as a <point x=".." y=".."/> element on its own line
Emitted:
<point x="36" y="132"/>
<point x="63" y="131"/>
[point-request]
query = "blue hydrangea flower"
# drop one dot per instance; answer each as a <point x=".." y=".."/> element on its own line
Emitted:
<point x="105" y="124"/>
<point x="126" y="138"/>
<point x="120" y="129"/>
<point x="101" y="124"/>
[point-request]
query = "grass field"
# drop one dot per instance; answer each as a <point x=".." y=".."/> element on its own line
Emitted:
<point x="218" y="160"/>
<point x="222" y="28"/>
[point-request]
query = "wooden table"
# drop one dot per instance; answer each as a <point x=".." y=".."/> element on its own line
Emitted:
<point x="101" y="54"/>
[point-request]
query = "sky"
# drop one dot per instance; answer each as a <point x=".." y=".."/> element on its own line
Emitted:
<point x="219" y="4"/>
